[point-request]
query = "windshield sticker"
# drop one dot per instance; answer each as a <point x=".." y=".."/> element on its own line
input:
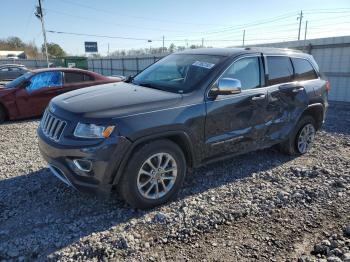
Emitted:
<point x="203" y="64"/>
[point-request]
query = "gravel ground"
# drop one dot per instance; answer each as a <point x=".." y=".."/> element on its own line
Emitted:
<point x="262" y="206"/>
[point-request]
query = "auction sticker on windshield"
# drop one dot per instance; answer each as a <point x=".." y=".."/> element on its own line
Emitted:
<point x="203" y="64"/>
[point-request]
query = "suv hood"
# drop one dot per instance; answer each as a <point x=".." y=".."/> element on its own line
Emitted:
<point x="115" y="100"/>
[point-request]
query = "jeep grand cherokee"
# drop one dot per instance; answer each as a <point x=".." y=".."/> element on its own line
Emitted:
<point x="186" y="110"/>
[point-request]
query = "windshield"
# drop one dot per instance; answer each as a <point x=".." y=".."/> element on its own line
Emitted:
<point x="178" y="73"/>
<point x="19" y="80"/>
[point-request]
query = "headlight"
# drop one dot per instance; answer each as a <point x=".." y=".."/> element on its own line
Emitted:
<point x="92" y="131"/>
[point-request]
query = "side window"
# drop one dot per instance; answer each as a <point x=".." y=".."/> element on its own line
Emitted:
<point x="303" y="70"/>
<point x="5" y="69"/>
<point x="45" y="79"/>
<point x="280" y="69"/>
<point x="72" y="77"/>
<point x="246" y="70"/>
<point x="88" y="78"/>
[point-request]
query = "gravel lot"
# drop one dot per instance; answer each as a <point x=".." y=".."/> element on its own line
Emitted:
<point x="259" y="206"/>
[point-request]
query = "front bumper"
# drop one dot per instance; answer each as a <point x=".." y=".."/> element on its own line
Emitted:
<point x="105" y="158"/>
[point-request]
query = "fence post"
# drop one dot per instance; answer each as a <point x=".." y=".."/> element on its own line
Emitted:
<point x="101" y="67"/>
<point x="154" y="59"/>
<point x="111" y="66"/>
<point x="123" y="67"/>
<point x="137" y="65"/>
<point x="92" y="63"/>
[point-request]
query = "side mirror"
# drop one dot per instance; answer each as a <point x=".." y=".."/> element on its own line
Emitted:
<point x="25" y="83"/>
<point x="227" y="86"/>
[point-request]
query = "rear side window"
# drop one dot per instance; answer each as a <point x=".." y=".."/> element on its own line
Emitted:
<point x="88" y="77"/>
<point x="70" y="77"/>
<point x="303" y="70"/>
<point x="280" y="69"/>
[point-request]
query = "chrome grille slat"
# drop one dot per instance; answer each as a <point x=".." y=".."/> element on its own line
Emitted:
<point x="52" y="126"/>
<point x="59" y="125"/>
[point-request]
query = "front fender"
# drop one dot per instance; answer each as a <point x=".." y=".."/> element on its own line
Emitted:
<point x="184" y="143"/>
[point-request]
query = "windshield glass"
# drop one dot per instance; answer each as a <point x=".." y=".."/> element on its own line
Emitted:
<point x="19" y="80"/>
<point x="178" y="73"/>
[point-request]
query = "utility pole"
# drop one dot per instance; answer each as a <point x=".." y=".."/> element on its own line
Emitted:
<point x="243" y="38"/>
<point x="300" y="18"/>
<point x="163" y="45"/>
<point x="39" y="14"/>
<point x="305" y="34"/>
<point x="150" y="46"/>
<point x="202" y="42"/>
<point x="108" y="51"/>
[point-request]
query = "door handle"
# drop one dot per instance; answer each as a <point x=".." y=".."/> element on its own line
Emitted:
<point x="258" y="97"/>
<point x="298" y="89"/>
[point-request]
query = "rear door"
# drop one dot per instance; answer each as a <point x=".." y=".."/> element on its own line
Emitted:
<point x="15" y="72"/>
<point x="5" y="73"/>
<point x="33" y="99"/>
<point x="287" y="98"/>
<point x="235" y="123"/>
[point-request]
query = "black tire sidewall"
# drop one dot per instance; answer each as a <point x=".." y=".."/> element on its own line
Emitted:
<point x="2" y="115"/>
<point x="128" y="184"/>
<point x="303" y="122"/>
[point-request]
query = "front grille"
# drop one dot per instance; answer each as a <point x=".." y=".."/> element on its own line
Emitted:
<point x="52" y="126"/>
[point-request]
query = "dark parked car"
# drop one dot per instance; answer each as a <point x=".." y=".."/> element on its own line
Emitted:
<point x="11" y="71"/>
<point x="186" y="110"/>
<point x="29" y="94"/>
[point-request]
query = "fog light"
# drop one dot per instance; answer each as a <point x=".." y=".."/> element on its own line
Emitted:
<point x="83" y="164"/>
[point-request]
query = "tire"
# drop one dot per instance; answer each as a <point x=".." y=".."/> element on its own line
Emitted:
<point x="292" y="146"/>
<point x="139" y="176"/>
<point x="2" y="115"/>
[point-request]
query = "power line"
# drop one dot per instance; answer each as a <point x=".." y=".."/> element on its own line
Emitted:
<point x="153" y="40"/>
<point x="136" y="17"/>
<point x="111" y="23"/>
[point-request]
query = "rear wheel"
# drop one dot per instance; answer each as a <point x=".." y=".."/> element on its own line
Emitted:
<point x="154" y="174"/>
<point x="302" y="137"/>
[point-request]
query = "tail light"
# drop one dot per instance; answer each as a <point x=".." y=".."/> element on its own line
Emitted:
<point x="328" y="86"/>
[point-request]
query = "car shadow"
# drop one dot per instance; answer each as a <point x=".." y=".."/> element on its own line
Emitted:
<point x="26" y="120"/>
<point x="39" y="214"/>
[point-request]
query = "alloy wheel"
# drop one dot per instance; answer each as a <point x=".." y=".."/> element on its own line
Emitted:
<point x="306" y="137"/>
<point x="157" y="176"/>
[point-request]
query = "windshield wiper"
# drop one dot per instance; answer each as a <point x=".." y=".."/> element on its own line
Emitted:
<point x="149" y="85"/>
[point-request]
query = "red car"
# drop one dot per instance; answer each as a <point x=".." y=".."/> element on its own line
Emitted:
<point x="29" y="94"/>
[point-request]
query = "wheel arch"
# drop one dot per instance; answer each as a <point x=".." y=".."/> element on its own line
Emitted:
<point x="180" y="138"/>
<point x="317" y="112"/>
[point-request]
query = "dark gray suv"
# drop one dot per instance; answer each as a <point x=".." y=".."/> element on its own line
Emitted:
<point x="186" y="110"/>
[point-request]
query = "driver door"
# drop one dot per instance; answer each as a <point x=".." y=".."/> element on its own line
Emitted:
<point x="235" y="122"/>
<point x="33" y="99"/>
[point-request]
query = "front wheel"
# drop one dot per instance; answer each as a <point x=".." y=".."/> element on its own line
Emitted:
<point x="2" y="114"/>
<point x="154" y="174"/>
<point x="302" y="137"/>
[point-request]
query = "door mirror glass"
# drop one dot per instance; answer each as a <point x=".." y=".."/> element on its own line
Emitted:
<point x="227" y="86"/>
<point x="26" y="83"/>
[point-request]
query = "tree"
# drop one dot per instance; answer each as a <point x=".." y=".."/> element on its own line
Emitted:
<point x="172" y="48"/>
<point x="15" y="43"/>
<point x="54" y="50"/>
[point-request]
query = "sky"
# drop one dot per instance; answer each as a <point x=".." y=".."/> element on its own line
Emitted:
<point x="218" y="23"/>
